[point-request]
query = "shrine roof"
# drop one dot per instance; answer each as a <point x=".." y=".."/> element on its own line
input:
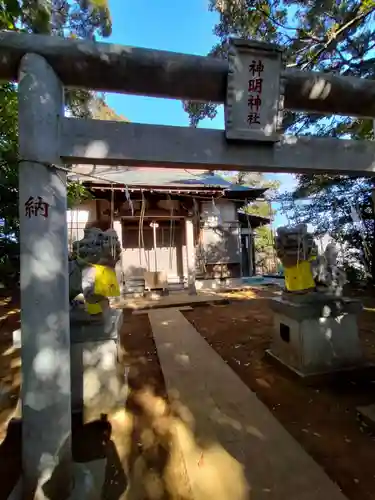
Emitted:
<point x="254" y="220"/>
<point x="161" y="178"/>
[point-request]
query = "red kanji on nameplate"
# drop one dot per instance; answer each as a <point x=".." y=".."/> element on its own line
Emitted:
<point x="256" y="68"/>
<point x="256" y="85"/>
<point x="35" y="207"/>
<point x="255" y="88"/>
<point x="253" y="109"/>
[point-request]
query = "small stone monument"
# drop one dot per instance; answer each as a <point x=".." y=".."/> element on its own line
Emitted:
<point x="315" y="327"/>
<point x="97" y="381"/>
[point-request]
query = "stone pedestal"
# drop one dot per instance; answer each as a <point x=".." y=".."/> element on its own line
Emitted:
<point x="316" y="337"/>
<point x="98" y="383"/>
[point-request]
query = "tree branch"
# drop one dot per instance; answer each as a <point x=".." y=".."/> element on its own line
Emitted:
<point x="336" y="34"/>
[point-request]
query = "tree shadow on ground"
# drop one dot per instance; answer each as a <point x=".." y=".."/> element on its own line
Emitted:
<point x="163" y="428"/>
<point x="90" y="442"/>
<point x="10" y="458"/>
<point x="322" y="417"/>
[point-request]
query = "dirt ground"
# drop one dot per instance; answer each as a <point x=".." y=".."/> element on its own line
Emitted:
<point x="323" y="419"/>
<point x="134" y="442"/>
<point x="10" y="361"/>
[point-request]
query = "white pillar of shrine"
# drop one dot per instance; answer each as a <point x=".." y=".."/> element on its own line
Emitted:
<point x="190" y="254"/>
<point x="117" y="226"/>
<point x="46" y="390"/>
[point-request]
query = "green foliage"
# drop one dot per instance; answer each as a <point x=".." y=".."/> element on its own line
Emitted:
<point x="77" y="193"/>
<point x="263" y="240"/>
<point x="329" y="36"/>
<point x="316" y="35"/>
<point x="9" y="262"/>
<point x="77" y="18"/>
<point x="10" y="12"/>
<point x="8" y="159"/>
<point x="251" y="179"/>
<point x="327" y="202"/>
<point x="100" y="110"/>
<point x="74" y="18"/>
<point x="263" y="235"/>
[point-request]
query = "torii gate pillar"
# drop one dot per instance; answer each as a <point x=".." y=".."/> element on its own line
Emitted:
<point x="46" y="400"/>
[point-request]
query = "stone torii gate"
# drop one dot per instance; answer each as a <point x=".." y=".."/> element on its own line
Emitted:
<point x="255" y="88"/>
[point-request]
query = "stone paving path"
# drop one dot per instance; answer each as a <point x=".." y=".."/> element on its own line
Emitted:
<point x="232" y="445"/>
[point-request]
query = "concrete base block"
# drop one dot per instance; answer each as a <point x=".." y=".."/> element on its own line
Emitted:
<point x="98" y="379"/>
<point x="98" y="386"/>
<point x="88" y="481"/>
<point x="316" y="338"/>
<point x="106" y="327"/>
<point x="360" y="371"/>
<point x="156" y="293"/>
<point x="218" y="284"/>
<point x="83" y="330"/>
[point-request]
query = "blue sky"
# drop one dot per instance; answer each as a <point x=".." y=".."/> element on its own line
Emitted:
<point x="177" y="26"/>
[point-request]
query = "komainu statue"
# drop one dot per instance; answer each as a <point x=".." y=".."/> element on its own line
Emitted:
<point x="306" y="270"/>
<point x="96" y="374"/>
<point x="92" y="270"/>
<point x="315" y="326"/>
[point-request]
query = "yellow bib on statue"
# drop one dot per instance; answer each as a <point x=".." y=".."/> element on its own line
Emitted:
<point x="299" y="277"/>
<point x="93" y="308"/>
<point x="106" y="284"/>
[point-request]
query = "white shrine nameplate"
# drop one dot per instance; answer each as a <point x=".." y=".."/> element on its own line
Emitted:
<point x="254" y="105"/>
